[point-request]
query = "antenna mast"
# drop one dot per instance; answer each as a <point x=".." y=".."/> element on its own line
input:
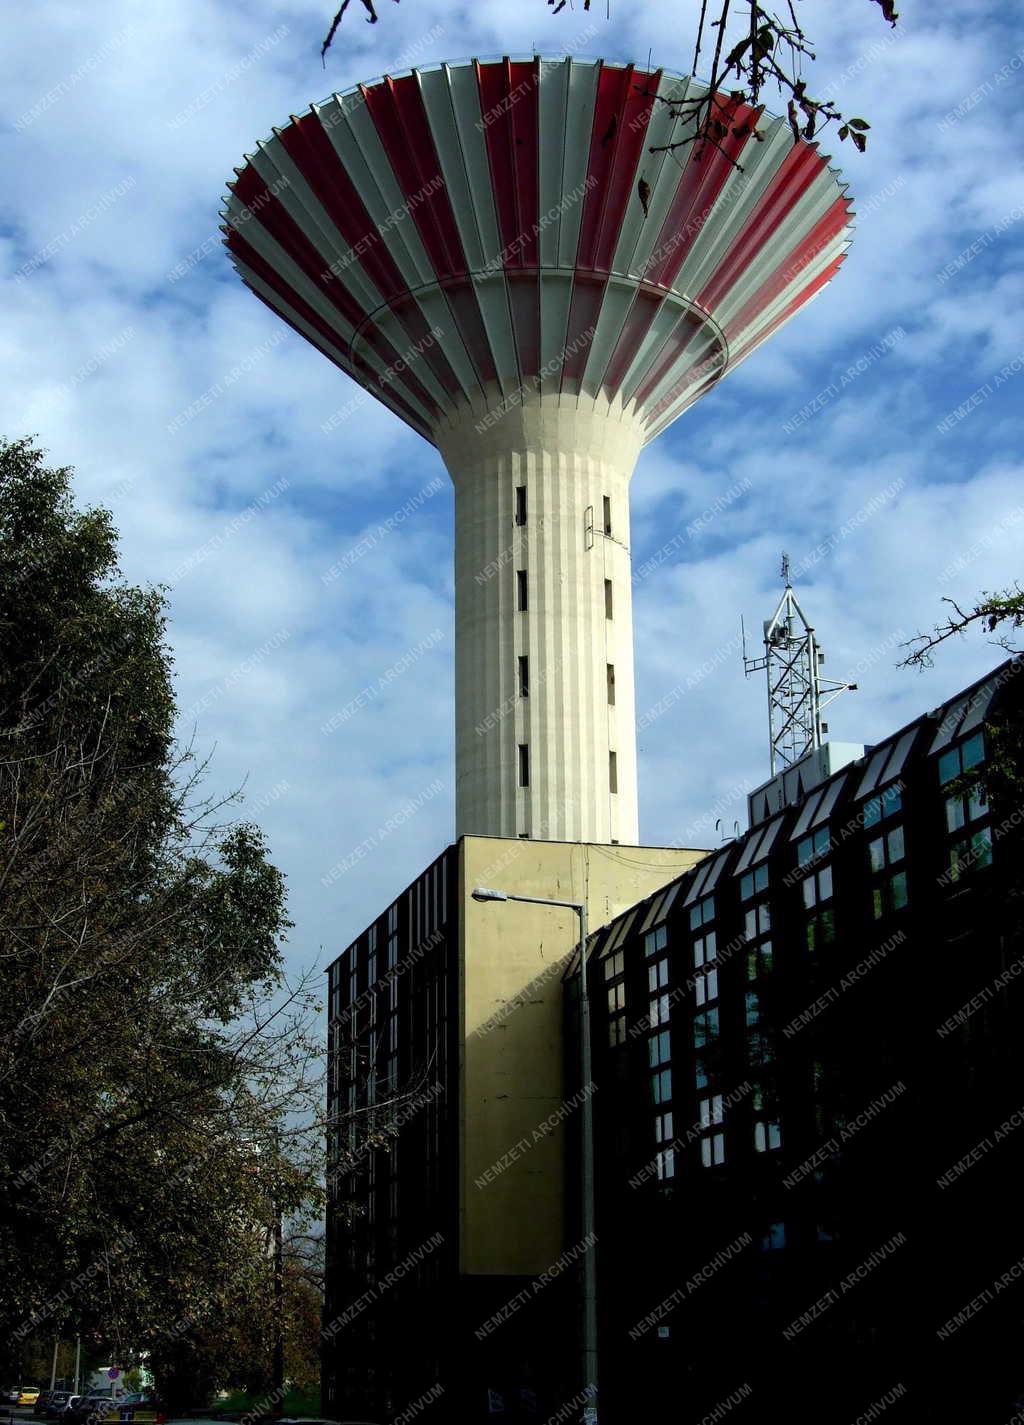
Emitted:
<point x="797" y="693"/>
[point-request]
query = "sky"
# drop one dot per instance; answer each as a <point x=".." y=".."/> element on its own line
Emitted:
<point x="876" y="438"/>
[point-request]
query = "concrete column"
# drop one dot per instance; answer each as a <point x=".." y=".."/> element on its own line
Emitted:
<point x="570" y="462"/>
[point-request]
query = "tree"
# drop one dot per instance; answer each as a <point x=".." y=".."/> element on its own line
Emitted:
<point x="159" y="1085"/>
<point x="1003" y="610"/>
<point x="1001" y="776"/>
<point x="745" y="51"/>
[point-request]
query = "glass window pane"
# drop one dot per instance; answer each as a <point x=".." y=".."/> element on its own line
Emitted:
<point x="698" y="989"/>
<point x="761" y="877"/>
<point x="705" y="1152"/>
<point x="718" y="1142"/>
<point x="872" y="811"/>
<point x="710" y="945"/>
<point x="954" y="813"/>
<point x="876" y="854"/>
<point x="764" y="919"/>
<point x="810" y="893"/>
<point x="981" y="847"/>
<point x="949" y="765"/>
<point x="746" y="887"/>
<point x="972" y="752"/>
<point x="760" y="1138"/>
<point x="976" y="803"/>
<point x="712" y="979"/>
<point x="774" y="1136"/>
<point x="750" y="925"/>
<point x="898" y="886"/>
<point x="655" y="940"/>
<point x="895" y="844"/>
<point x="825" y="883"/>
<point x="804" y="851"/>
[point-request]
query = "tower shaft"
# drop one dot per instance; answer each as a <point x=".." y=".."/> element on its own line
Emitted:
<point x="544" y="681"/>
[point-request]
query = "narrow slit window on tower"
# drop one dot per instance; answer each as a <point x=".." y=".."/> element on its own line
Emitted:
<point x="607" y="514"/>
<point x="524" y="764"/>
<point x="524" y="676"/>
<point x="520" y="504"/>
<point x="613" y="772"/>
<point x="611" y="684"/>
<point x="521" y="595"/>
<point x="608" y="598"/>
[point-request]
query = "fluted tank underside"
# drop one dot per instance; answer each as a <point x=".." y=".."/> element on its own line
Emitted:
<point x="462" y="237"/>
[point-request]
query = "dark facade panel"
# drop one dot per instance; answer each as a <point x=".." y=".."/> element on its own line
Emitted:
<point x="794" y="1066"/>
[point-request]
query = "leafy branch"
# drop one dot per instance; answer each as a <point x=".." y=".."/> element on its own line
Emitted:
<point x="992" y="611"/>
<point x="761" y="48"/>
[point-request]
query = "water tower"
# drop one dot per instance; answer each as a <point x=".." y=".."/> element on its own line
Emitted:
<point x="530" y="263"/>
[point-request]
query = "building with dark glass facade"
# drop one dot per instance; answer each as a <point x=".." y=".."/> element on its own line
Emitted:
<point x="808" y="1142"/>
<point x="809" y="1111"/>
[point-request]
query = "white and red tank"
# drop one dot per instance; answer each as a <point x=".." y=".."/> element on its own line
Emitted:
<point x="531" y="263"/>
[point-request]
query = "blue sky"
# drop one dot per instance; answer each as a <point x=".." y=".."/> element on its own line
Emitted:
<point x="128" y="344"/>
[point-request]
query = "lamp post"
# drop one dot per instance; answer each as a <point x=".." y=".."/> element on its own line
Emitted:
<point x="589" y="1352"/>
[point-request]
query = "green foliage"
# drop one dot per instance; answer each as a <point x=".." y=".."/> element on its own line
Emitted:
<point x="153" y="1061"/>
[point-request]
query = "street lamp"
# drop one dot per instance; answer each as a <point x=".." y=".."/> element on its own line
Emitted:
<point x="589" y="1355"/>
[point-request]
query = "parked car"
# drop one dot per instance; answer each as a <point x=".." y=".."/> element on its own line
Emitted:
<point x="50" y="1402"/>
<point x="62" y="1409"/>
<point x="27" y="1395"/>
<point x="96" y="1403"/>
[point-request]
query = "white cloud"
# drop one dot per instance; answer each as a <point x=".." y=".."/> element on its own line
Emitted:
<point x="170" y="97"/>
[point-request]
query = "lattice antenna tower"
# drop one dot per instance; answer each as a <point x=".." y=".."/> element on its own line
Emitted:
<point x="797" y="693"/>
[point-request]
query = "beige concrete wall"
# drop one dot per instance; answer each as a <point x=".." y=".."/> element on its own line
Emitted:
<point x="511" y="960"/>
